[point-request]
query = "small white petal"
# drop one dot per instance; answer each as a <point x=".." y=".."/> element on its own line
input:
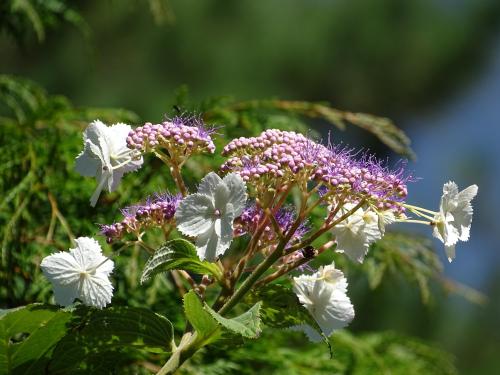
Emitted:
<point x="195" y="214"/>
<point x="221" y="197"/>
<point x="209" y="183"/>
<point x="450" y="252"/>
<point x="96" y="290"/>
<point x="88" y="163"/>
<point x="238" y="192"/>
<point x="207" y="244"/>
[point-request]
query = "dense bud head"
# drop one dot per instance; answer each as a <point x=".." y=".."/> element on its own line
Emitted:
<point x="277" y="158"/>
<point x="182" y="135"/>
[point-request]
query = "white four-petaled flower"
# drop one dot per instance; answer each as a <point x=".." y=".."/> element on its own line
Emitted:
<point x="81" y="273"/>
<point x="105" y="156"/>
<point x="453" y="221"/>
<point x="324" y="295"/>
<point x="208" y="214"/>
<point x="356" y="233"/>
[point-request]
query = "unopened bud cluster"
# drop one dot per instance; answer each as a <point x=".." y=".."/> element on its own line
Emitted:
<point x="180" y="136"/>
<point x="279" y="157"/>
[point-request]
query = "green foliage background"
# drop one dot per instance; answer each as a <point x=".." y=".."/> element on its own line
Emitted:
<point x="137" y="55"/>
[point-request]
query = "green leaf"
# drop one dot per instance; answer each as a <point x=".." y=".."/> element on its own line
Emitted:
<point x="95" y="333"/>
<point x="280" y="307"/>
<point x="246" y="324"/>
<point x="205" y="325"/>
<point x="27" y="337"/>
<point x="177" y="254"/>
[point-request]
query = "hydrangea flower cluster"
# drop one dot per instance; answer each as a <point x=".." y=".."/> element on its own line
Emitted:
<point x="155" y="212"/>
<point x="253" y="215"/>
<point x="181" y="136"/>
<point x="359" y="195"/>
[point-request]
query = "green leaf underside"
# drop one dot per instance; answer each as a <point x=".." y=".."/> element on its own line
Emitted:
<point x="205" y="325"/>
<point x="43" y="325"/>
<point x="38" y="338"/>
<point x="95" y="333"/>
<point x="246" y="324"/>
<point x="177" y="254"/>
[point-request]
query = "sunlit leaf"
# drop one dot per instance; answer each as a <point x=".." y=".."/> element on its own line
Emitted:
<point x="177" y="254"/>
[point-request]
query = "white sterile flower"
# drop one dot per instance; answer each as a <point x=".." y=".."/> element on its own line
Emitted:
<point x="81" y="273"/>
<point x="356" y="233"/>
<point x="453" y="222"/>
<point x="324" y="295"/>
<point x="209" y="213"/>
<point x="106" y="156"/>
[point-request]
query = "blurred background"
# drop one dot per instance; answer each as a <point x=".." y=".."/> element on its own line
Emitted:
<point x="432" y="66"/>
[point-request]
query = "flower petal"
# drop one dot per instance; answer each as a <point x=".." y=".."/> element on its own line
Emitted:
<point x="207" y="245"/>
<point x="450" y="252"/>
<point x="195" y="214"/>
<point x="95" y="290"/>
<point x="87" y="163"/>
<point x="209" y="183"/>
<point x="61" y="268"/>
<point x="238" y="192"/>
<point x="65" y="294"/>
<point x="221" y="197"/>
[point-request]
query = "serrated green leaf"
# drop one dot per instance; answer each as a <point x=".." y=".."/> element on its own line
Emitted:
<point x="96" y="332"/>
<point x="246" y="324"/>
<point x="205" y="325"/>
<point x="43" y="327"/>
<point x="177" y="254"/>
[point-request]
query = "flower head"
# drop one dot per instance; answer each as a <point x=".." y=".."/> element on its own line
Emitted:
<point x="276" y="159"/>
<point x="181" y="137"/>
<point x="453" y="221"/>
<point x="208" y="214"/>
<point x="105" y="156"/>
<point x="82" y="273"/>
<point x="324" y="295"/>
<point x="157" y="211"/>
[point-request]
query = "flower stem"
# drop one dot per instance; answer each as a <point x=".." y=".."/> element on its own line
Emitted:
<point x="176" y="174"/>
<point x="184" y="351"/>
<point x="264" y="266"/>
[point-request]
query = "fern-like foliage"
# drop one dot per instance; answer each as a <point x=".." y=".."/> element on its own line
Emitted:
<point x="23" y="18"/>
